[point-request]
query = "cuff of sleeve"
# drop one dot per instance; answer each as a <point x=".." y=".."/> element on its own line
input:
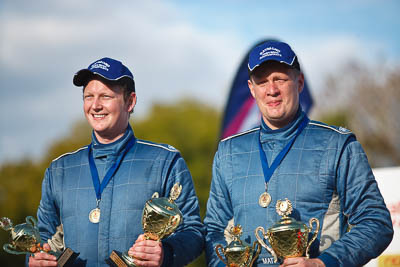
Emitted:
<point x="168" y="254"/>
<point x="328" y="260"/>
<point x="220" y="264"/>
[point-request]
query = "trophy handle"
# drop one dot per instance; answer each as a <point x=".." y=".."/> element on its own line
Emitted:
<point x="175" y="220"/>
<point x="219" y="246"/>
<point x="312" y="220"/>
<point x="32" y="221"/>
<point x="257" y="252"/>
<point x="8" y="248"/>
<point x="270" y="250"/>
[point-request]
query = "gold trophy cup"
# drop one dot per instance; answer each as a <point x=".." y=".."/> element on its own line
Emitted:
<point x="238" y="253"/>
<point x="160" y="218"/>
<point x="25" y="239"/>
<point x="288" y="237"/>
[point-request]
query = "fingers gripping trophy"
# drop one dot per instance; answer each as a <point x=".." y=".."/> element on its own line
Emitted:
<point x="25" y="239"/>
<point x="160" y="218"/>
<point x="288" y="237"/>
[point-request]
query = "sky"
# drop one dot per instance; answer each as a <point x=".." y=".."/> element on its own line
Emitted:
<point x="175" y="49"/>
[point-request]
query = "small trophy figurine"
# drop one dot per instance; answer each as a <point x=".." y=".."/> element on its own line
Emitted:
<point x="160" y="218"/>
<point x="238" y="253"/>
<point x="25" y="239"/>
<point x="288" y="237"/>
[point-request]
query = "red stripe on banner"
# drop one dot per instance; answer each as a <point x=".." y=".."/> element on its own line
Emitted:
<point x="237" y="122"/>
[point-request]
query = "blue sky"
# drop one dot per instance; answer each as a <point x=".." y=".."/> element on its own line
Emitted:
<point x="174" y="48"/>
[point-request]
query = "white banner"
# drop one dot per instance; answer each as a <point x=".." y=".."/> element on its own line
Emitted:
<point x="389" y="183"/>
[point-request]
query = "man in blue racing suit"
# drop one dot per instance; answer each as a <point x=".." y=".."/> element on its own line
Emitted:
<point x="96" y="194"/>
<point x="321" y="169"/>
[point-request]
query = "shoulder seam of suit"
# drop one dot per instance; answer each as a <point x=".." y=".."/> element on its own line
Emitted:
<point x="69" y="153"/>
<point x="239" y="134"/>
<point x="169" y="147"/>
<point x="341" y="130"/>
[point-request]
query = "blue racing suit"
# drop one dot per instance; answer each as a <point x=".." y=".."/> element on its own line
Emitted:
<point x="68" y="196"/>
<point x="325" y="175"/>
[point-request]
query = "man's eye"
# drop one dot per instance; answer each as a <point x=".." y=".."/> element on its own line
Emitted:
<point x="262" y="83"/>
<point x="281" y="80"/>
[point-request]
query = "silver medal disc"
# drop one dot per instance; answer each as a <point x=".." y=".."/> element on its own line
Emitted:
<point x="264" y="200"/>
<point x="94" y="215"/>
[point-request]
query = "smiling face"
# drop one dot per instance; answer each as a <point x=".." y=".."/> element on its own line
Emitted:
<point x="106" y="110"/>
<point x="276" y="88"/>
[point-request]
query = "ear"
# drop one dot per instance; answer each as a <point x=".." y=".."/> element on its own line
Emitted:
<point x="300" y="82"/>
<point x="251" y="87"/>
<point x="131" y="101"/>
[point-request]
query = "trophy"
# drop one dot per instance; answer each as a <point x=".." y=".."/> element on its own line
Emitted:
<point x="160" y="217"/>
<point x="25" y="239"/>
<point x="238" y="253"/>
<point x="288" y="237"/>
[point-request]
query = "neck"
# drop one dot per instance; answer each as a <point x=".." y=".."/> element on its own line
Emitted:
<point x="275" y="125"/>
<point x="108" y="139"/>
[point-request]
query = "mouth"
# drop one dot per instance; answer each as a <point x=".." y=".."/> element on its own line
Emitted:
<point x="98" y="116"/>
<point x="274" y="103"/>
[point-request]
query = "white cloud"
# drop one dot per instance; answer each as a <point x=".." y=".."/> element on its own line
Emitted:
<point x="170" y="58"/>
<point x="323" y="55"/>
<point x="43" y="43"/>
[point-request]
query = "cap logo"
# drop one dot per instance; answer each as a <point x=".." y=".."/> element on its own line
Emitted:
<point x="100" y="65"/>
<point x="270" y="51"/>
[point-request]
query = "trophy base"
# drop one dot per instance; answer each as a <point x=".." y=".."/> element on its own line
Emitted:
<point x="66" y="258"/>
<point x="117" y="259"/>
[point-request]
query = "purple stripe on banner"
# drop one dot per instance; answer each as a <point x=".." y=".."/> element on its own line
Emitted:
<point x="237" y="122"/>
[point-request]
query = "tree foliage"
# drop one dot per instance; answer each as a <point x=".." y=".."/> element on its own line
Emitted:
<point x="189" y="126"/>
<point x="367" y="102"/>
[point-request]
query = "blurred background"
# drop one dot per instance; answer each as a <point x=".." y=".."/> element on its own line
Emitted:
<point x="184" y="56"/>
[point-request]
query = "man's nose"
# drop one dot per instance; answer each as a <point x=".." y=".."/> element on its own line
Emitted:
<point x="272" y="89"/>
<point x="96" y="103"/>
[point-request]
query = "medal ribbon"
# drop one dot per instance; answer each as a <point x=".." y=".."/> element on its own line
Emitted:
<point x="110" y="173"/>
<point x="268" y="171"/>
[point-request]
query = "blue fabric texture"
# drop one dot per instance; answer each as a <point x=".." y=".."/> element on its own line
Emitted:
<point x="325" y="175"/>
<point x="68" y="196"/>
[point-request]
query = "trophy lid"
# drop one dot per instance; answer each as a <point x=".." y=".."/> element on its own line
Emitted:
<point x="162" y="205"/>
<point x="236" y="245"/>
<point x="284" y="208"/>
<point x="166" y="206"/>
<point x="288" y="223"/>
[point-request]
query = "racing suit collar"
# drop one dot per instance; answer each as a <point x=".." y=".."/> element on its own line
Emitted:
<point x="114" y="148"/>
<point x="286" y="132"/>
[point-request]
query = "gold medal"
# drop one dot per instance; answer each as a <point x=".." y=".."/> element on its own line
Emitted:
<point x="264" y="200"/>
<point x="94" y="215"/>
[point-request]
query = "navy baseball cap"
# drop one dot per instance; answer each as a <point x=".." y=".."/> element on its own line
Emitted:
<point x="107" y="68"/>
<point x="272" y="50"/>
